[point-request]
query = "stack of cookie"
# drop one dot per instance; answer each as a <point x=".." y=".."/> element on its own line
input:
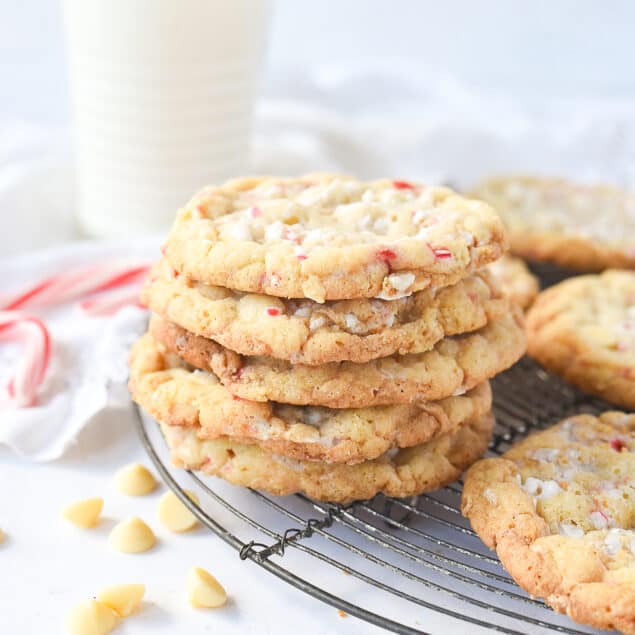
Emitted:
<point x="327" y="336"/>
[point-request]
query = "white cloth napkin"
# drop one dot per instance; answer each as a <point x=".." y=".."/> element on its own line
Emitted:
<point x="88" y="370"/>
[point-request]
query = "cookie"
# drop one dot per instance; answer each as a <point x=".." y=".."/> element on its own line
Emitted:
<point x="455" y="365"/>
<point x="575" y="226"/>
<point x="399" y="473"/>
<point x="559" y="508"/>
<point x="328" y="237"/>
<point x="178" y="396"/>
<point x="515" y="279"/>
<point x="310" y="333"/>
<point x="584" y="330"/>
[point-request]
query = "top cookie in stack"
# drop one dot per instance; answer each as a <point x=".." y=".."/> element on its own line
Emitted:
<point x="325" y="335"/>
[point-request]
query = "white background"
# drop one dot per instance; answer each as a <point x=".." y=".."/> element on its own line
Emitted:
<point x="524" y="49"/>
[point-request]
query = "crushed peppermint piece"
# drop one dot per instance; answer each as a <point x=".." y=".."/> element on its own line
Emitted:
<point x="255" y="212"/>
<point x="273" y="311"/>
<point x="386" y="254"/>
<point x="403" y="185"/>
<point x="301" y="256"/>
<point x="441" y="253"/>
<point x="618" y="445"/>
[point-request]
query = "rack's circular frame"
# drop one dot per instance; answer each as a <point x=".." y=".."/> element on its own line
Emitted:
<point x="423" y="542"/>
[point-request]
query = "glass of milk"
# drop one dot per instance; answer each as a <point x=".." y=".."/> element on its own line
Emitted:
<point x="163" y="95"/>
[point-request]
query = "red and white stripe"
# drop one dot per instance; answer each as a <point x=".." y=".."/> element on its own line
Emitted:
<point x="74" y="284"/>
<point x="120" y="280"/>
<point x="31" y="369"/>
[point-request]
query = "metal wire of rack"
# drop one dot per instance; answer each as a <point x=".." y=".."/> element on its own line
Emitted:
<point x="400" y="554"/>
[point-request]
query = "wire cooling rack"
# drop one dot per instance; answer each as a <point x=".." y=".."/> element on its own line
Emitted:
<point x="402" y="558"/>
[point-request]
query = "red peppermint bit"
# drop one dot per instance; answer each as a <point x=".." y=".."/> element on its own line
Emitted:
<point x="441" y="253"/>
<point x="618" y="445"/>
<point x="302" y="256"/>
<point x="403" y="185"/>
<point x="236" y="398"/>
<point x="271" y="310"/>
<point x="239" y="373"/>
<point x="386" y="254"/>
<point x="255" y="212"/>
<point x="162" y="249"/>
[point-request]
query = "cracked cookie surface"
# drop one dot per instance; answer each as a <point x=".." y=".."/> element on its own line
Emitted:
<point x="306" y="332"/>
<point x="180" y="396"/>
<point x="559" y="508"/>
<point x="455" y="365"/>
<point x="584" y="330"/>
<point x="330" y="237"/>
<point x="575" y="226"/>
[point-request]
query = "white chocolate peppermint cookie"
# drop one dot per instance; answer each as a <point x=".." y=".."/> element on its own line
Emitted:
<point x="559" y="508"/>
<point x="576" y="226"/>
<point x="306" y="332"/>
<point x="584" y="330"/>
<point x="455" y="365"/>
<point x="328" y="237"/>
<point x="401" y="473"/>
<point x="178" y="396"/>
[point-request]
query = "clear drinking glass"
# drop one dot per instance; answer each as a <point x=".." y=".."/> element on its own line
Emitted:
<point x="163" y="94"/>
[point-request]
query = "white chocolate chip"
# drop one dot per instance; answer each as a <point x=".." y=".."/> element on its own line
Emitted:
<point x="238" y="230"/>
<point x="275" y="231"/>
<point x="351" y="321"/>
<point x="302" y="312"/>
<point x="540" y="489"/>
<point x="135" y="480"/>
<point x="571" y="530"/>
<point x="91" y="618"/>
<point x="204" y="590"/>
<point x="545" y="455"/>
<point x="316" y="322"/>
<point x="490" y="496"/>
<point x="613" y="542"/>
<point x="401" y="281"/>
<point x="132" y="536"/>
<point x="123" y="599"/>
<point x="174" y="515"/>
<point x="84" y="513"/>
<point x="598" y="520"/>
<point x="380" y="226"/>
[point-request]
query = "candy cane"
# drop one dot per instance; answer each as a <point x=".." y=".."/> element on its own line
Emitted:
<point x="110" y="303"/>
<point x="74" y="284"/>
<point x="32" y="369"/>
